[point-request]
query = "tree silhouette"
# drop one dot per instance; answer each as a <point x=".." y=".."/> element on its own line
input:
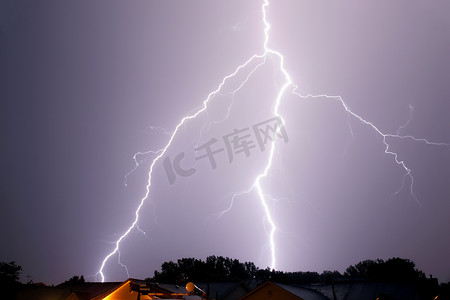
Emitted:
<point x="394" y="269"/>
<point x="9" y="279"/>
<point x="75" y="280"/>
<point x="219" y="268"/>
<point x="215" y="268"/>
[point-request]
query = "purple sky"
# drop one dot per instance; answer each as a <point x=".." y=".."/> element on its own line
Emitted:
<point x="84" y="84"/>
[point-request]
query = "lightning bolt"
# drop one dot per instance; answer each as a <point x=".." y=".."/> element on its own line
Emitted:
<point x="138" y="162"/>
<point x="411" y="112"/>
<point x="258" y="182"/>
<point x="161" y="153"/>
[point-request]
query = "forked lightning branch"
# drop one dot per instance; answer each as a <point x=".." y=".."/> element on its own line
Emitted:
<point x="173" y="168"/>
<point x="239" y="142"/>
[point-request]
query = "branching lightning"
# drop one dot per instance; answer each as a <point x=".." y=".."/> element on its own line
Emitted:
<point x="258" y="182"/>
<point x="138" y="162"/>
<point x="161" y="154"/>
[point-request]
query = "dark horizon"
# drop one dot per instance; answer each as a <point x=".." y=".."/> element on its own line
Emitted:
<point x="218" y="268"/>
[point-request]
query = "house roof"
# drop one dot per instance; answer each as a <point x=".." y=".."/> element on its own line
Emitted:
<point x="219" y="290"/>
<point x="215" y="289"/>
<point x="112" y="287"/>
<point x="91" y="290"/>
<point x="303" y="292"/>
<point x="366" y="289"/>
<point x="371" y="290"/>
<point x="270" y="286"/>
<point x="42" y="293"/>
<point x="162" y="289"/>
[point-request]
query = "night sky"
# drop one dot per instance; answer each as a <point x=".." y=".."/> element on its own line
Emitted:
<point x="84" y="85"/>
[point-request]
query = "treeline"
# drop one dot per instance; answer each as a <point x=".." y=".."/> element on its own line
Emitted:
<point x="392" y="269"/>
<point x="218" y="268"/>
<point x="215" y="268"/>
<point x="9" y="279"/>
